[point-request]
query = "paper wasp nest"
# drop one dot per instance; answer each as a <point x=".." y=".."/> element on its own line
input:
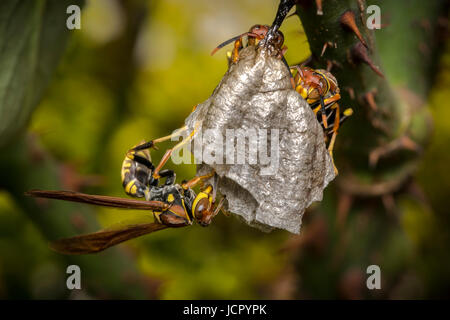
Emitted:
<point x="256" y="95"/>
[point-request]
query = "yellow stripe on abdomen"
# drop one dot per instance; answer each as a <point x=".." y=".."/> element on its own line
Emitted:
<point x="130" y="187"/>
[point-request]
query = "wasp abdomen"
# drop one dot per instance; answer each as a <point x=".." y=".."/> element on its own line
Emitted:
<point x="137" y="170"/>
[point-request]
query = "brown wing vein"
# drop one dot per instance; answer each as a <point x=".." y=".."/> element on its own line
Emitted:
<point x="101" y="240"/>
<point x="107" y="201"/>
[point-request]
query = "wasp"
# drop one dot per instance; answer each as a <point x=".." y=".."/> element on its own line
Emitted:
<point x="254" y="36"/>
<point x="173" y="205"/>
<point x="321" y="91"/>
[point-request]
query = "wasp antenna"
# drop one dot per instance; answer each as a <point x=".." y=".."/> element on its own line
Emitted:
<point x="348" y="20"/>
<point x="223" y="44"/>
<point x="359" y="52"/>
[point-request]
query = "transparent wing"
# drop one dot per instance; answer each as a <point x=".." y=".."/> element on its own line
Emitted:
<point x="103" y="239"/>
<point x="106" y="201"/>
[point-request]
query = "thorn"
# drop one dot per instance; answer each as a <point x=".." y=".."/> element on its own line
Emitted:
<point x="389" y="203"/>
<point x="329" y="65"/>
<point x="402" y="143"/>
<point x="344" y="205"/>
<point x="361" y="6"/>
<point x="359" y="52"/>
<point x="348" y="20"/>
<point x="337" y="64"/>
<point x="410" y="144"/>
<point x="325" y="47"/>
<point x="319" y="7"/>
<point x="370" y="99"/>
<point x="362" y="10"/>
<point x="351" y="92"/>
<point x="380" y="125"/>
<point x="417" y="192"/>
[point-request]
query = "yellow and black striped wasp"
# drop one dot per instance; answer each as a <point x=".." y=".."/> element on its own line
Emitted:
<point x="173" y="205"/>
<point x="270" y="34"/>
<point x="321" y="91"/>
<point x="254" y="36"/>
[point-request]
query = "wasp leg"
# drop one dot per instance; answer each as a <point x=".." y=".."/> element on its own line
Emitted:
<point x="316" y="107"/>
<point x="169" y="152"/>
<point x="333" y="137"/>
<point x="169" y="175"/>
<point x="196" y="180"/>
<point x="237" y="47"/>
<point x="282" y="53"/>
<point x="330" y="151"/>
<point x="342" y="117"/>
<point x="171" y="219"/>
<point x="139" y="159"/>
<point x="333" y="98"/>
<point x="324" y="115"/>
<point x="152" y="143"/>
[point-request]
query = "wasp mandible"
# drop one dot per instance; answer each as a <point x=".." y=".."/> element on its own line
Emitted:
<point x="173" y="205"/>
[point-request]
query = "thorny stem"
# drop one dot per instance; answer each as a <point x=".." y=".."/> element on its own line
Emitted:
<point x="385" y="115"/>
<point x="283" y="8"/>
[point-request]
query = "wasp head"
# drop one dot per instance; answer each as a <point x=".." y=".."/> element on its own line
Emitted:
<point x="256" y="33"/>
<point x="261" y="31"/>
<point x="203" y="207"/>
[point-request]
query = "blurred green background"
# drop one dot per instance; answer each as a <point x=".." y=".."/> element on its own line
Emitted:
<point x="134" y="71"/>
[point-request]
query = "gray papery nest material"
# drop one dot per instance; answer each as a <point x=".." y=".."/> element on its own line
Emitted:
<point x="256" y="94"/>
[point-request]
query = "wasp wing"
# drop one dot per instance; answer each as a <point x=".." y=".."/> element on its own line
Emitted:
<point x="103" y="239"/>
<point x="106" y="201"/>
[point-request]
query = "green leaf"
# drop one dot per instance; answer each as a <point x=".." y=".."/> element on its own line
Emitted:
<point x="33" y="35"/>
